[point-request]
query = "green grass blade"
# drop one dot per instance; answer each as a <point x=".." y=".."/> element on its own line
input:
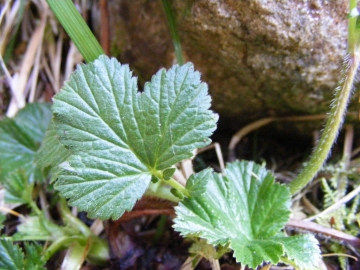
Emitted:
<point x="76" y="28"/>
<point x="173" y="31"/>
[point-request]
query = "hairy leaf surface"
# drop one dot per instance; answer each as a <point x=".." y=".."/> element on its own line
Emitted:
<point x="243" y="209"/>
<point x="119" y="137"/>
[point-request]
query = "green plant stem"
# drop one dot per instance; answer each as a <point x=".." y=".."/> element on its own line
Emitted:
<point x="289" y="262"/>
<point x="337" y="111"/>
<point x="175" y="184"/>
<point x="70" y="219"/>
<point x="99" y="249"/>
<point x="76" y="28"/>
<point x="37" y="211"/>
<point x="162" y="191"/>
<point x="173" y="31"/>
<point x="61" y="243"/>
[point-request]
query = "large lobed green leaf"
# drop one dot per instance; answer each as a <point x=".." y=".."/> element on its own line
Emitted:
<point x="245" y="210"/>
<point x="119" y="137"/>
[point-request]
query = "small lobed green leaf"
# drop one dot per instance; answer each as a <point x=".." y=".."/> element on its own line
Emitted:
<point x="17" y="187"/>
<point x="168" y="173"/>
<point x="13" y="258"/>
<point x="118" y="136"/>
<point x="34" y="259"/>
<point x="244" y="209"/>
<point x="20" y="137"/>
<point x="154" y="179"/>
<point x="196" y="184"/>
<point x="11" y="255"/>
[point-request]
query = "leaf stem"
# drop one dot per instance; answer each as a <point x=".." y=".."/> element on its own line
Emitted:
<point x="161" y="191"/>
<point x="289" y="262"/>
<point x="99" y="249"/>
<point x="70" y="219"/>
<point x="76" y="28"/>
<point x="36" y="210"/>
<point x="175" y="184"/>
<point x="337" y="111"/>
<point x="61" y="243"/>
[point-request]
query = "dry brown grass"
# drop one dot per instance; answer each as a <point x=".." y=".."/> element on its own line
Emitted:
<point x="41" y="57"/>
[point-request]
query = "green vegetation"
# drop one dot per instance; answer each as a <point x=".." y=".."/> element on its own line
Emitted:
<point x="105" y="145"/>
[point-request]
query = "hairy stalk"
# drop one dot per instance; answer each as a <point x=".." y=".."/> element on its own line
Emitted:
<point x="338" y="107"/>
<point x="332" y="126"/>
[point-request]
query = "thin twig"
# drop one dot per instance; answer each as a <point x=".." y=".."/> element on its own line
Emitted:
<point x="321" y="230"/>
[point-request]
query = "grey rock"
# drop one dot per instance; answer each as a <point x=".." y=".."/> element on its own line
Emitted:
<point x="260" y="57"/>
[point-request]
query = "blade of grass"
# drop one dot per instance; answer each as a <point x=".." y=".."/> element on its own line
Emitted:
<point x="173" y="31"/>
<point x="76" y="28"/>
